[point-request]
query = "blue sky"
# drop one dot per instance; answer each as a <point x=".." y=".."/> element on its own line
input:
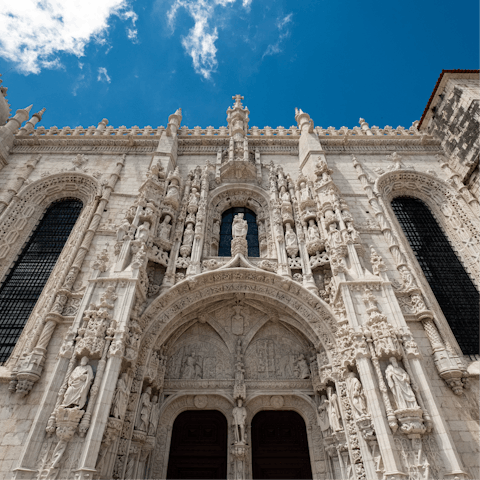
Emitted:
<point x="136" y="62"/>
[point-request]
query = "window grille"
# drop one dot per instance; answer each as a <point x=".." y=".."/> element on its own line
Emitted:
<point x="225" y="246"/>
<point x="25" y="281"/>
<point x="454" y="290"/>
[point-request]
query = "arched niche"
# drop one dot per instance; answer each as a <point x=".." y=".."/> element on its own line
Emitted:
<point x="249" y="196"/>
<point x="184" y="301"/>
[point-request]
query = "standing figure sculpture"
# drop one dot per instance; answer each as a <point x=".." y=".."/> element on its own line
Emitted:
<point x="333" y="410"/>
<point x="399" y="383"/>
<point x="322" y="417"/>
<point x="239" y="414"/>
<point x="356" y="395"/>
<point x="78" y="385"/>
<point x="239" y="226"/>
<point x="119" y="404"/>
<point x="142" y="420"/>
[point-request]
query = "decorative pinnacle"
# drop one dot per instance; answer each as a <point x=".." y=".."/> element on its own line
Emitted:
<point x="238" y="100"/>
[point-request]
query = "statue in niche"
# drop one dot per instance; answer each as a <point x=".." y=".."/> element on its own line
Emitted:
<point x="239" y="414"/>
<point x="291" y="244"/>
<point x="164" y="228"/>
<point x="123" y="230"/>
<point x="399" y="382"/>
<point x="356" y="395"/>
<point x="313" y="232"/>
<point x="145" y="407"/>
<point x="284" y="195"/>
<point x="119" y="404"/>
<point x="143" y="231"/>
<point x="193" y="200"/>
<point x="301" y="367"/>
<point x="191" y="368"/>
<point x="239" y="226"/>
<point x="333" y="410"/>
<point x="334" y="236"/>
<point x="322" y="417"/>
<point x="304" y="192"/>
<point x="188" y="235"/>
<point x="173" y="195"/>
<point x="154" y="416"/>
<point x="78" y="385"/>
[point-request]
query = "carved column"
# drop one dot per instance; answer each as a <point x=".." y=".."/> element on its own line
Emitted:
<point x="31" y="368"/>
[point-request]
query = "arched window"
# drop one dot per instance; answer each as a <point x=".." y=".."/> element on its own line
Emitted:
<point x="454" y="290"/>
<point x="225" y="246"/>
<point x="25" y="281"/>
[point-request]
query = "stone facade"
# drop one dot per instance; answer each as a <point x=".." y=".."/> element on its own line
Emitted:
<point x="141" y="319"/>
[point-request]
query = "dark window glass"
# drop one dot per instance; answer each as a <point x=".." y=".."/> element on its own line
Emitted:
<point x="453" y="288"/>
<point x="225" y="247"/>
<point x="24" y="284"/>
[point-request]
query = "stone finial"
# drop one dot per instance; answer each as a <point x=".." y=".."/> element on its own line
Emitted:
<point x="304" y="122"/>
<point x="237" y="117"/>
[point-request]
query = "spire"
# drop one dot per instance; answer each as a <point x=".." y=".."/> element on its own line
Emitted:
<point x="29" y="127"/>
<point x="237" y="117"/>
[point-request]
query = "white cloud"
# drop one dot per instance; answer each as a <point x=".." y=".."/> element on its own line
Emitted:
<point x="201" y="38"/>
<point x="34" y="32"/>
<point x="103" y="75"/>
<point x="282" y="25"/>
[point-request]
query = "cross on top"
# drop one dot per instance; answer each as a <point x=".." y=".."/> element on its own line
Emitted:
<point x="238" y="100"/>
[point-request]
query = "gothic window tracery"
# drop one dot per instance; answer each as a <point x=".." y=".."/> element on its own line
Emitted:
<point x="30" y="272"/>
<point x="450" y="283"/>
<point x="224" y="249"/>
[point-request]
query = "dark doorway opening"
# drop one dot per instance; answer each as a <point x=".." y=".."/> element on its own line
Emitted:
<point x="280" y="446"/>
<point x="199" y="446"/>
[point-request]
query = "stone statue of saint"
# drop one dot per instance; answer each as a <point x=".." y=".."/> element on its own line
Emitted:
<point x="123" y="230"/>
<point x="239" y="226"/>
<point x="143" y="231"/>
<point x="145" y="406"/>
<point x="302" y="367"/>
<point x="334" y="236"/>
<point x="304" y="192"/>
<point x="284" y="195"/>
<point x="239" y="414"/>
<point x="333" y="410"/>
<point x="78" y="385"/>
<point x="164" y="228"/>
<point x="119" y="404"/>
<point x="399" y="383"/>
<point x="172" y="192"/>
<point x="356" y="395"/>
<point x="188" y="235"/>
<point x="290" y="237"/>
<point x="323" y="421"/>
<point x="154" y="416"/>
<point x="194" y="197"/>
<point x="313" y="232"/>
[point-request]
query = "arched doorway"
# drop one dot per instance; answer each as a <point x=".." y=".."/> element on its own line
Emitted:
<point x="280" y="446"/>
<point x="198" y="448"/>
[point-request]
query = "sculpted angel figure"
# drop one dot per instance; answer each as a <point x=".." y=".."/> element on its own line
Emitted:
<point x="78" y="385"/>
<point x="119" y="404"/>
<point x="239" y="414"/>
<point x="239" y="226"/>
<point x="356" y="395"/>
<point x="399" y="382"/>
